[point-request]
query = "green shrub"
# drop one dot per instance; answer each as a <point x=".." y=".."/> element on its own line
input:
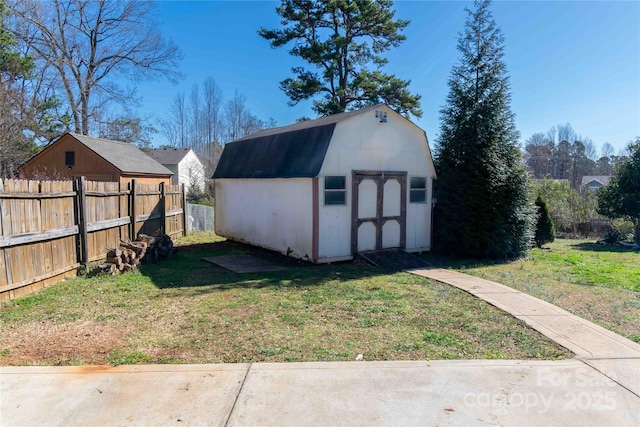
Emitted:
<point x="624" y="226"/>
<point x="545" y="230"/>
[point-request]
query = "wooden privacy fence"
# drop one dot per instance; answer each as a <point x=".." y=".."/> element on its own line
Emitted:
<point x="49" y="228"/>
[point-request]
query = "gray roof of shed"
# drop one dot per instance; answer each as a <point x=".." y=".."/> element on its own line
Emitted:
<point x="294" y="151"/>
<point x="168" y="156"/>
<point x="124" y="156"/>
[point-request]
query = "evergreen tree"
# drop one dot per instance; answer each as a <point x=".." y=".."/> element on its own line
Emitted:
<point x="545" y="231"/>
<point x="343" y="41"/>
<point x="484" y="208"/>
<point x="15" y="68"/>
<point x="621" y="198"/>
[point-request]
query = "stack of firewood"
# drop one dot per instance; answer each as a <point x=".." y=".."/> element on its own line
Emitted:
<point x="125" y="257"/>
<point x="129" y="254"/>
<point x="159" y="247"/>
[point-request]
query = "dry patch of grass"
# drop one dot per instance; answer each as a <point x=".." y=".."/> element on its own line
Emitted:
<point x="188" y="311"/>
<point x="596" y="282"/>
<point x="73" y="343"/>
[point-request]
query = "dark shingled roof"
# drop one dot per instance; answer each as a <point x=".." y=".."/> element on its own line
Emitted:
<point x="294" y="154"/>
<point x="168" y="156"/>
<point x="294" y="151"/>
<point x="124" y="156"/>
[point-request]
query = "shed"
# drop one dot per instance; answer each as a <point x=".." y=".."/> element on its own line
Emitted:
<point x="326" y="189"/>
<point x="73" y="155"/>
<point x="184" y="163"/>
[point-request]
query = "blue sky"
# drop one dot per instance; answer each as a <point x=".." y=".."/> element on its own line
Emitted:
<point x="572" y="62"/>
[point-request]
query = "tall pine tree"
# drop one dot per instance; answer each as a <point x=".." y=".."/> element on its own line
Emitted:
<point x="484" y="209"/>
<point x="342" y="41"/>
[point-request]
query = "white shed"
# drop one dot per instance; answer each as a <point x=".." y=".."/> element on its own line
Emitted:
<point x="184" y="163"/>
<point x="326" y="189"/>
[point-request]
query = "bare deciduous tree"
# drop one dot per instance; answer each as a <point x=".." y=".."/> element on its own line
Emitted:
<point x="238" y="119"/>
<point x="212" y="98"/>
<point x="538" y="155"/>
<point x="124" y="128"/>
<point x="174" y="125"/>
<point x="90" y="46"/>
<point x="196" y="123"/>
<point x="608" y="150"/>
<point x="206" y="121"/>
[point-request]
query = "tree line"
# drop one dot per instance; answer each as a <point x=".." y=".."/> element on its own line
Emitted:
<point x="562" y="154"/>
<point x="559" y="159"/>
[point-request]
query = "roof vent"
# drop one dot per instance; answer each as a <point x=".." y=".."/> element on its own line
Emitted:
<point x="382" y="115"/>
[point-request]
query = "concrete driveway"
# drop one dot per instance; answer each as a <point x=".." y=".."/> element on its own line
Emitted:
<point x="451" y="393"/>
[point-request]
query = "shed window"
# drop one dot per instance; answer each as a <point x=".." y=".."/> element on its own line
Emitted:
<point x="69" y="158"/>
<point x="335" y="190"/>
<point x="418" y="190"/>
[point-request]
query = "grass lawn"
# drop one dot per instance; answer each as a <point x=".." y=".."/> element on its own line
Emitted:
<point x="187" y="311"/>
<point x="600" y="283"/>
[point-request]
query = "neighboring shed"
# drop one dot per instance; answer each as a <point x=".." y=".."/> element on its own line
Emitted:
<point x="97" y="159"/>
<point x="186" y="167"/>
<point x="594" y="182"/>
<point x="326" y="189"/>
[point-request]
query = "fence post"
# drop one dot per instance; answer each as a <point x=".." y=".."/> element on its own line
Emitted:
<point x="163" y="208"/>
<point x="82" y="220"/>
<point x="120" y="208"/>
<point x="132" y="209"/>
<point x="185" y="213"/>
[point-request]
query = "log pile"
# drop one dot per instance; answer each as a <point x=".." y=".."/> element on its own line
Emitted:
<point x="159" y="247"/>
<point x="129" y="254"/>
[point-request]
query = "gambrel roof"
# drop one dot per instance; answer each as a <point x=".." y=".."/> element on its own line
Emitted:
<point x="294" y="151"/>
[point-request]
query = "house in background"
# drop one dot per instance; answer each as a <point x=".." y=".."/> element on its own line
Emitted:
<point x="326" y="189"/>
<point x="73" y="155"/>
<point x="186" y="167"/>
<point x="594" y="182"/>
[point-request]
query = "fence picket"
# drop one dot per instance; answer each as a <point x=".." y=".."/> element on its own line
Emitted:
<point x="41" y="226"/>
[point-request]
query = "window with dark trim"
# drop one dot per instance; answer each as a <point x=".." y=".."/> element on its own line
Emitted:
<point x="69" y="158"/>
<point x="335" y="190"/>
<point x="418" y="190"/>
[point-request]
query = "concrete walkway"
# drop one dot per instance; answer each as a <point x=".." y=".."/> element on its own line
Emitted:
<point x="601" y="386"/>
<point x="613" y="355"/>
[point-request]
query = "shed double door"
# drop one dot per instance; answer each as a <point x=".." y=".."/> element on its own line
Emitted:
<point x="378" y="210"/>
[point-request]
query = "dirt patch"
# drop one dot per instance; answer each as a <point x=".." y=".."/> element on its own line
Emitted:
<point x="60" y="344"/>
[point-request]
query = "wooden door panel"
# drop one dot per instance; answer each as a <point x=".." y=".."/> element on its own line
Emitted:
<point x="367" y="199"/>
<point x="366" y="237"/>
<point x="391" y="234"/>
<point x="391" y="202"/>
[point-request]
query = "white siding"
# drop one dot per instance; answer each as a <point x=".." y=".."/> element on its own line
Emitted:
<point x="364" y="143"/>
<point x="190" y="171"/>
<point x="334" y="226"/>
<point x="272" y="213"/>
